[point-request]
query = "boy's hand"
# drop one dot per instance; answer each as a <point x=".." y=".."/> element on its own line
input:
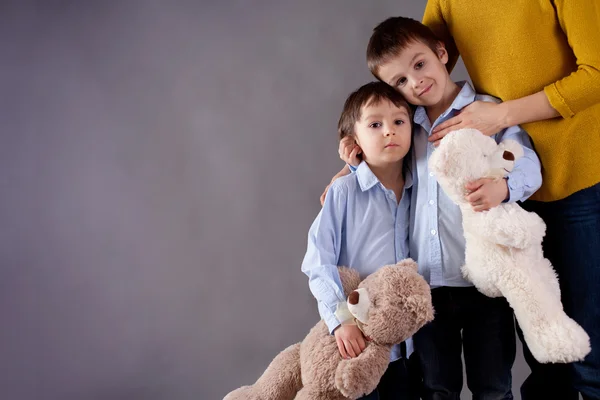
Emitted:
<point x="350" y="340"/>
<point x="343" y="172"/>
<point x="349" y="151"/>
<point x="486" y="193"/>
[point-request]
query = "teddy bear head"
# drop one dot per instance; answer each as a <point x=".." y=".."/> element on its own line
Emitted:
<point x="391" y="304"/>
<point x="466" y="155"/>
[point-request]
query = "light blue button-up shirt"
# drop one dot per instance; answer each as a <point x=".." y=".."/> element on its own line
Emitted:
<point x="436" y="234"/>
<point x="361" y="225"/>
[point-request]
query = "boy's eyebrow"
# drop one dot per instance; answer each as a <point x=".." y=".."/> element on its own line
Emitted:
<point x="379" y="116"/>
<point x="395" y="77"/>
<point x="416" y="56"/>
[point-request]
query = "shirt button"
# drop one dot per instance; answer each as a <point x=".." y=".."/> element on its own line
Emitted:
<point x="433" y="232"/>
<point x="431" y="174"/>
<point x="431" y="202"/>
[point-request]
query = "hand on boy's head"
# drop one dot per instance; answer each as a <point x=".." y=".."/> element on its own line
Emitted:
<point x="350" y="340"/>
<point x="489" y="118"/>
<point x="486" y="193"/>
<point x="349" y="151"/>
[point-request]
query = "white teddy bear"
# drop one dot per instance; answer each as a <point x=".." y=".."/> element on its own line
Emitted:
<point x="503" y="255"/>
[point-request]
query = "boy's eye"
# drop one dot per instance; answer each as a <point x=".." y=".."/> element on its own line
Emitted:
<point x="375" y="125"/>
<point x="419" y="65"/>
<point x="401" y="82"/>
<point x="399" y="122"/>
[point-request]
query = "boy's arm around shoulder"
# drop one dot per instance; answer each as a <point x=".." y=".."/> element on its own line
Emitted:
<point x="323" y="251"/>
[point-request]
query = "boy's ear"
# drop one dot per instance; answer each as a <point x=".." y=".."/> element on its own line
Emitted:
<point x="442" y="53"/>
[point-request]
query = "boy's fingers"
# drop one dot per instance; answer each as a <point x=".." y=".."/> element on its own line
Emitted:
<point x="354" y="155"/>
<point x="349" y="349"/>
<point x="474" y="197"/>
<point x="322" y="198"/>
<point x="480" y="208"/>
<point x="341" y="348"/>
<point x="343" y="144"/>
<point x="474" y="185"/>
<point x="347" y="152"/>
<point x="361" y="343"/>
<point x="355" y="347"/>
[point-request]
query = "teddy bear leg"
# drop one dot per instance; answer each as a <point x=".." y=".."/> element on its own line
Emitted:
<point x="280" y="381"/>
<point x="550" y="334"/>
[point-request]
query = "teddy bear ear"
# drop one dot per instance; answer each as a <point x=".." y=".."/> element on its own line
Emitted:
<point x="511" y="150"/>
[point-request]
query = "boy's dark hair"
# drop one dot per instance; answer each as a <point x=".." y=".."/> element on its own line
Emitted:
<point x="371" y="93"/>
<point x="392" y="36"/>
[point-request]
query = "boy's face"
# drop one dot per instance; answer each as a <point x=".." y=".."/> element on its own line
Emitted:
<point x="383" y="133"/>
<point x="419" y="74"/>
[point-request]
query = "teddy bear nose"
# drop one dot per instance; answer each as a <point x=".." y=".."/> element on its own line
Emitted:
<point x="507" y="155"/>
<point x="353" y="298"/>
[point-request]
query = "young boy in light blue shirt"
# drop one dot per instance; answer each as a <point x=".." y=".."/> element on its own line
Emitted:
<point x="364" y="222"/>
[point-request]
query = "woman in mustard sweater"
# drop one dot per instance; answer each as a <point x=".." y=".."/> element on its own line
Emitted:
<point x="542" y="58"/>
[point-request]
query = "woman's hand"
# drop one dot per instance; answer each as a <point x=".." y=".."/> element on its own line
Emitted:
<point x="489" y="118"/>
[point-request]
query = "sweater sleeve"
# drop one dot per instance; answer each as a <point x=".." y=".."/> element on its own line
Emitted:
<point x="434" y="20"/>
<point x="579" y="20"/>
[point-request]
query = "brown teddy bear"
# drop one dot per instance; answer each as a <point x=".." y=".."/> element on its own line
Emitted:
<point x="389" y="306"/>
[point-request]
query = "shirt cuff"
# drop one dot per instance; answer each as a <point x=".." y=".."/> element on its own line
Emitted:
<point x="332" y="323"/>
<point x="352" y="168"/>
<point x="515" y="187"/>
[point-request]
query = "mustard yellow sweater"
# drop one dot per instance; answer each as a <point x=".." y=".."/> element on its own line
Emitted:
<point x="514" y="48"/>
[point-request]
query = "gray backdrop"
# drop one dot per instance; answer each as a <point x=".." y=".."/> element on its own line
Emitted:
<point x="161" y="163"/>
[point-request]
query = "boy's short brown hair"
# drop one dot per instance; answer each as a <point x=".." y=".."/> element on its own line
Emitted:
<point x="371" y="93"/>
<point x="392" y="36"/>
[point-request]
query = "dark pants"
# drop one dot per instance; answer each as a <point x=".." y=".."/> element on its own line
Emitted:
<point x="401" y="381"/>
<point x="488" y="341"/>
<point x="572" y="244"/>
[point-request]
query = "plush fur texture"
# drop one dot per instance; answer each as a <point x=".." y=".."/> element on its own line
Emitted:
<point x="398" y="302"/>
<point x="504" y="247"/>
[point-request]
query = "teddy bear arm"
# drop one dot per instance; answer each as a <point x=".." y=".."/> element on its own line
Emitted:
<point x="358" y="376"/>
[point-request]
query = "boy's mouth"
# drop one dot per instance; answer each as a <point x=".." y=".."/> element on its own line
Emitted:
<point x="427" y="89"/>
<point x="391" y="145"/>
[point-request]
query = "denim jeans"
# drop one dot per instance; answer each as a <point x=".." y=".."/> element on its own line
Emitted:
<point x="401" y="381"/>
<point x="488" y="341"/>
<point x="572" y="244"/>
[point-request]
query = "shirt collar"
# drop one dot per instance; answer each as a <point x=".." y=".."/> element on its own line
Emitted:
<point x="465" y="97"/>
<point x="367" y="179"/>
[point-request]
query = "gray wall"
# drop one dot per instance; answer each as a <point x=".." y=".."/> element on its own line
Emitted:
<point x="161" y="164"/>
